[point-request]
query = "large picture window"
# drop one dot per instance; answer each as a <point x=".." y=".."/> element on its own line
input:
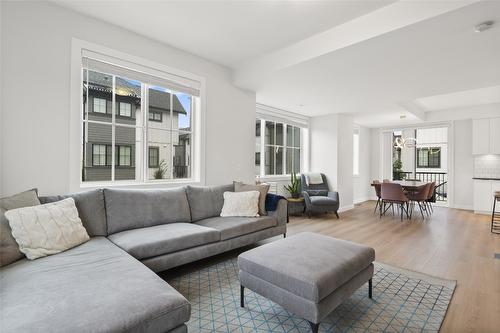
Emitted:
<point x="137" y="126"/>
<point x="277" y="148"/>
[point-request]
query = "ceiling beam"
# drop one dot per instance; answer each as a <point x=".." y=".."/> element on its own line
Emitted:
<point x="383" y="20"/>
<point x="414" y="108"/>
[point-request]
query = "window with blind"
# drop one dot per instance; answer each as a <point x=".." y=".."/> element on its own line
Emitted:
<point x="277" y="149"/>
<point x="138" y="122"/>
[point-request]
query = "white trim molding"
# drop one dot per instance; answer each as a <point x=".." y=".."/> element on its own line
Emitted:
<point x="279" y="115"/>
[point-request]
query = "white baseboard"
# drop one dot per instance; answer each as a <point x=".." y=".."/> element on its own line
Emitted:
<point x="360" y="200"/>
<point x="464" y="207"/>
<point x="346" y="208"/>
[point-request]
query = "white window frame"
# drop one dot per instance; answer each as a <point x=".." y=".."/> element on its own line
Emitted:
<point x="98" y="102"/>
<point x="129" y="105"/>
<point x="197" y="158"/>
<point x="100" y="154"/>
<point x="284" y="146"/>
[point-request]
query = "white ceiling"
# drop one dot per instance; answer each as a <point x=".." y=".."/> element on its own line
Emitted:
<point x="377" y="60"/>
<point x="487" y="95"/>
<point x="226" y="32"/>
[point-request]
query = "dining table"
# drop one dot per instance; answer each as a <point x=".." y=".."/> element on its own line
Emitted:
<point x="407" y="185"/>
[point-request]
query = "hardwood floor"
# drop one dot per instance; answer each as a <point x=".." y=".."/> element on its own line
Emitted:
<point x="453" y="244"/>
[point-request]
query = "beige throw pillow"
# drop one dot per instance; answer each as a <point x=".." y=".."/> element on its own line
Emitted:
<point x="9" y="249"/>
<point x="241" y="204"/>
<point x="262" y="188"/>
<point x="47" y="229"/>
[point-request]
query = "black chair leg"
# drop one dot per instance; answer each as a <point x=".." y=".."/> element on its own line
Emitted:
<point x="376" y="205"/>
<point x="370" y="289"/>
<point x="337" y="214"/>
<point x="242" y="296"/>
<point x="314" y="327"/>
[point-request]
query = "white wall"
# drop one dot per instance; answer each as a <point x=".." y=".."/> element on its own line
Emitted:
<point x="361" y="183"/>
<point x="463" y="164"/>
<point x="331" y="153"/>
<point x="36" y="46"/>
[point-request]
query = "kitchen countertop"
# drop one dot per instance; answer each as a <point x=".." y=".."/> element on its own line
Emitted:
<point x="481" y="178"/>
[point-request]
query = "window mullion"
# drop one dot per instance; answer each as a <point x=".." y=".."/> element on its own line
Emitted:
<point x="113" y="128"/>
<point x="171" y="162"/>
<point x="262" y="147"/>
<point x="145" y="131"/>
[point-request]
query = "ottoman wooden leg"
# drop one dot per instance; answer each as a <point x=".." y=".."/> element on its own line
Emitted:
<point x="314" y="327"/>
<point x="370" y="288"/>
<point x="242" y="296"/>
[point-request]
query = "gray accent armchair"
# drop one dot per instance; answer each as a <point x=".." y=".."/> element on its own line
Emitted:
<point x="318" y="197"/>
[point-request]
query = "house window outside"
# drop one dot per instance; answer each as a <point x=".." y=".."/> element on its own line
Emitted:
<point x="155" y="116"/>
<point x="99" y="105"/>
<point x="99" y="155"/>
<point x="278" y="152"/>
<point x="158" y="133"/>
<point x="124" y="155"/>
<point x="355" y="152"/>
<point x="429" y="157"/>
<point x="125" y="109"/>
<point x="154" y="157"/>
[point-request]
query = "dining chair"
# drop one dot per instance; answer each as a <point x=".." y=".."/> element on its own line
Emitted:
<point x="392" y="194"/>
<point x="431" y="196"/>
<point x="420" y="197"/>
<point x="376" y="186"/>
<point x="386" y="181"/>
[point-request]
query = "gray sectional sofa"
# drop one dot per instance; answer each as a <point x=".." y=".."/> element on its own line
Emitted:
<point x="108" y="284"/>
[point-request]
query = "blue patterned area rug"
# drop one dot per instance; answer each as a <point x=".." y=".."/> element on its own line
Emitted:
<point x="403" y="301"/>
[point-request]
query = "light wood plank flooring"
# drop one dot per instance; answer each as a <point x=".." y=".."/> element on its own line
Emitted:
<point x="453" y="244"/>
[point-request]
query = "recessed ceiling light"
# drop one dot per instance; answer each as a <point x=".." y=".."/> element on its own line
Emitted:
<point x="301" y="105"/>
<point x="483" y="26"/>
<point x="403" y="116"/>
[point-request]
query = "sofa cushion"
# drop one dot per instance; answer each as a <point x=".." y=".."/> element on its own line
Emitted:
<point x="231" y="227"/>
<point x="95" y="287"/>
<point x="47" y="229"/>
<point x="133" y="209"/>
<point x="323" y="201"/>
<point x="163" y="239"/>
<point x="206" y="201"/>
<point x="308" y="265"/>
<point x="9" y="249"/>
<point x="262" y="188"/>
<point x="90" y="205"/>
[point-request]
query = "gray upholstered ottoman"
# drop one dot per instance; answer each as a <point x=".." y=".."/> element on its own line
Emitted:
<point x="308" y="274"/>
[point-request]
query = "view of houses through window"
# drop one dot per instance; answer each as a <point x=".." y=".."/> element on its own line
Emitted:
<point x="121" y="142"/>
<point x="278" y="150"/>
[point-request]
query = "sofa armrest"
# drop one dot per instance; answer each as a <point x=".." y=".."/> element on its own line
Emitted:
<point x="281" y="212"/>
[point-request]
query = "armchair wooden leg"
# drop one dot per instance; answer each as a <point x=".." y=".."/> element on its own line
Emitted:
<point x="337" y="214"/>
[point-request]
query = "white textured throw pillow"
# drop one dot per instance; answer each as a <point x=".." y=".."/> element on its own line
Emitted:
<point x="47" y="229"/>
<point x="241" y="204"/>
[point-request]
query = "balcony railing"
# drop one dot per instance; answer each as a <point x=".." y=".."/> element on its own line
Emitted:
<point x="441" y="179"/>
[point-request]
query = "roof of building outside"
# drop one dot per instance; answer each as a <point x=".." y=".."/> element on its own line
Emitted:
<point x="157" y="99"/>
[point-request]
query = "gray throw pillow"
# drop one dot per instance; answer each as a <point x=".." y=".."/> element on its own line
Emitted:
<point x="9" y="249"/>
<point x="261" y="188"/>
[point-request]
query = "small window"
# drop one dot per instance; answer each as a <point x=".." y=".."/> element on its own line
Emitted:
<point x="155" y="116"/>
<point x="99" y="155"/>
<point x="154" y="157"/>
<point x="124" y="153"/>
<point x="99" y="105"/>
<point x="125" y="109"/>
<point x="429" y="157"/>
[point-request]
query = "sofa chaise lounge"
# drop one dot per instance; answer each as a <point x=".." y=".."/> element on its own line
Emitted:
<point x="108" y="284"/>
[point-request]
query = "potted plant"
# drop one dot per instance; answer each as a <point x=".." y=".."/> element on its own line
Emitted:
<point x="161" y="171"/>
<point x="294" y="187"/>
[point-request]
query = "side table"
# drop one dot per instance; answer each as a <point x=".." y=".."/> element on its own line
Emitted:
<point x="296" y="206"/>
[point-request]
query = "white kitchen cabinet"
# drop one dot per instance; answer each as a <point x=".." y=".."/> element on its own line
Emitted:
<point x="495" y="136"/>
<point x="484" y="191"/>
<point x="482" y="196"/>
<point x="481" y="136"/>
